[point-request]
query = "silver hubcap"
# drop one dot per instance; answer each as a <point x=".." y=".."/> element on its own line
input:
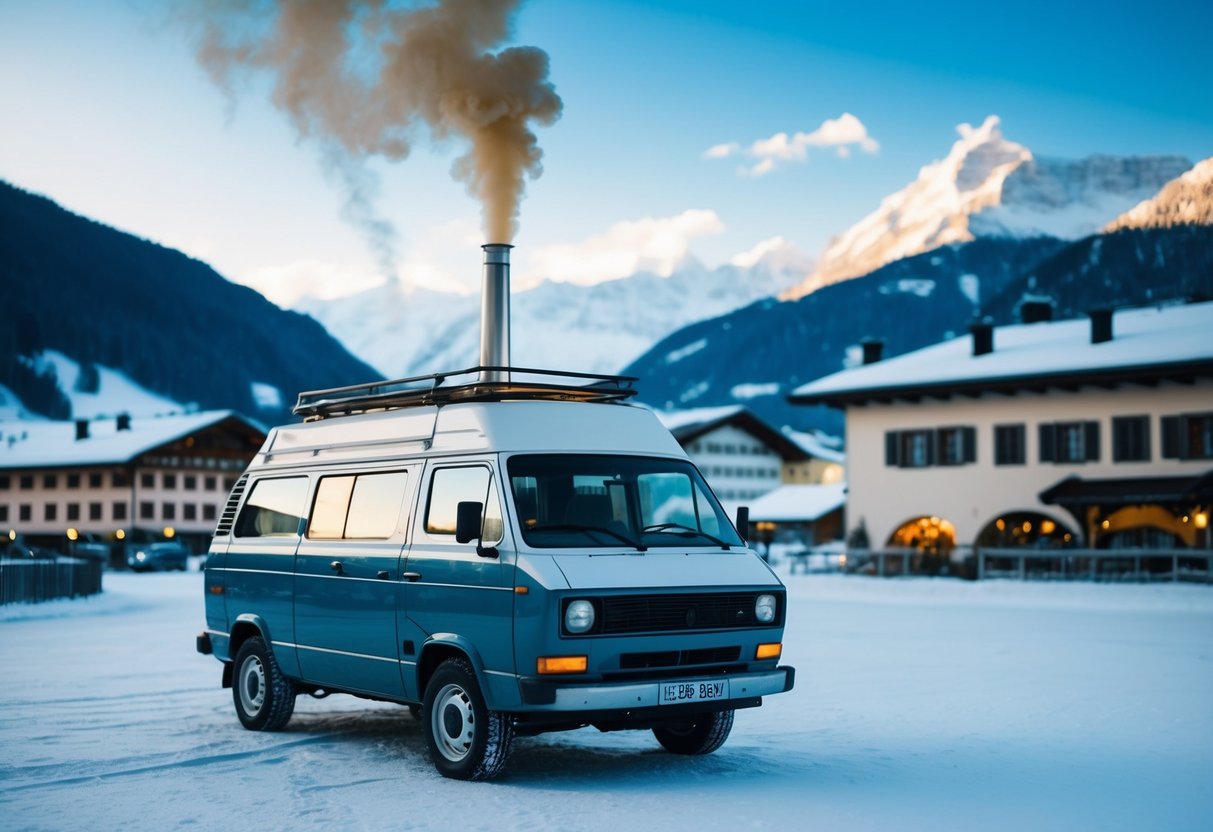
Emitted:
<point x="252" y="685"/>
<point x="452" y="723"/>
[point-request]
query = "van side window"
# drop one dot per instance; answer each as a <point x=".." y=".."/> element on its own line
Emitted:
<point x="451" y="486"/>
<point x="273" y="508"/>
<point x="364" y="506"/>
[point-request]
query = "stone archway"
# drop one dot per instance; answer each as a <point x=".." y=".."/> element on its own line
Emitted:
<point x="932" y="537"/>
<point x="1014" y="529"/>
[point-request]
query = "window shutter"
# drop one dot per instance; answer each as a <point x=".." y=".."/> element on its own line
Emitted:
<point x="1091" y="441"/>
<point x="891" y="443"/>
<point x="969" y="438"/>
<point x="1048" y="443"/>
<point x="1170" y="437"/>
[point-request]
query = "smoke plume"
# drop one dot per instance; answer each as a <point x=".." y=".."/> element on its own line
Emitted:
<point x="364" y="76"/>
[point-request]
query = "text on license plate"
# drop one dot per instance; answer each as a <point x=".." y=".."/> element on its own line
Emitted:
<point x="674" y="692"/>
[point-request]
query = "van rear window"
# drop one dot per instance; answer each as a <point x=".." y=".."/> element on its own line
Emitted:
<point x="273" y="508"/>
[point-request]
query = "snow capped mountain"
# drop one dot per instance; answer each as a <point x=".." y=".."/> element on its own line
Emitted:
<point x="596" y="328"/>
<point x="1185" y="200"/>
<point x="989" y="186"/>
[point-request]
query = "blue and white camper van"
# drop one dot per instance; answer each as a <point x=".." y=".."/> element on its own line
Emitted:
<point x="506" y="552"/>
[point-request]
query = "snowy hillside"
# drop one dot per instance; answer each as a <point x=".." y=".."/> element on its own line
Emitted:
<point x="1185" y="200"/>
<point x="989" y="186"/>
<point x="107" y="394"/>
<point x="599" y="328"/>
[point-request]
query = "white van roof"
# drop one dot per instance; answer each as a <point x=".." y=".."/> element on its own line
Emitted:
<point x="510" y="426"/>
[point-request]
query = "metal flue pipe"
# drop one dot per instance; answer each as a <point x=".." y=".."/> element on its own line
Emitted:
<point x="495" y="312"/>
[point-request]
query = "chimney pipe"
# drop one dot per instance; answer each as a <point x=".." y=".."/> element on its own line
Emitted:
<point x="1101" y="325"/>
<point x="81" y="429"/>
<point x="122" y="421"/>
<point x="495" y="312"/>
<point x="983" y="338"/>
<point x="873" y="349"/>
<point x="1035" y="311"/>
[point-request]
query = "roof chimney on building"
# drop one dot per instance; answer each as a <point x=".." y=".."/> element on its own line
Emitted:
<point x="1101" y="325"/>
<point x="495" y="312"/>
<point x="983" y="337"/>
<point x="81" y="429"/>
<point x="1036" y="311"/>
<point x="873" y="350"/>
<point x="123" y="421"/>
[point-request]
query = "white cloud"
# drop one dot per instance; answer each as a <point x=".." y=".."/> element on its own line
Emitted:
<point x="746" y="259"/>
<point x="286" y="283"/>
<point x="653" y="244"/>
<point x="840" y="133"/>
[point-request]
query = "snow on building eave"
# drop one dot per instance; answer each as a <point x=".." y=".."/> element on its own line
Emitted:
<point x="52" y="444"/>
<point x="689" y="425"/>
<point x="1145" y="343"/>
<point x="799" y="503"/>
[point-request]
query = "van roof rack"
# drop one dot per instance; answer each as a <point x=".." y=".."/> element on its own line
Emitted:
<point x="464" y="386"/>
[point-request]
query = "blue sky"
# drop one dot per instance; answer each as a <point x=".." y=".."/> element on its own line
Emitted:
<point x="106" y="111"/>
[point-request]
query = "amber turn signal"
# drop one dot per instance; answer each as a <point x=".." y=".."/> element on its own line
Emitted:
<point x="562" y="664"/>
<point x="768" y="651"/>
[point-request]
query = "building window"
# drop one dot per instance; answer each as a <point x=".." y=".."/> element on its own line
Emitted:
<point x="956" y="446"/>
<point x="1189" y="436"/>
<point x="189" y="511"/>
<point x="94" y="511"/>
<point x="73" y="511"/>
<point x="170" y="481"/>
<point x="210" y="483"/>
<point x="909" y="448"/>
<point x="1131" y="439"/>
<point x="73" y="480"/>
<point x="120" y="480"/>
<point x="5" y="482"/>
<point x="147" y="510"/>
<point x="119" y="511"/>
<point x="94" y="479"/>
<point x="24" y="512"/>
<point x="3" y="514"/>
<point x="50" y="481"/>
<point x="147" y="481"/>
<point x="190" y="483"/>
<point x="1009" y="445"/>
<point x="208" y="512"/>
<point x="27" y="482"/>
<point x="50" y="512"/>
<point x="168" y="511"/>
<point x="1069" y="442"/>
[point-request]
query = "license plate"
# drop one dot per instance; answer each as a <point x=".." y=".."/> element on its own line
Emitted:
<point x="675" y="693"/>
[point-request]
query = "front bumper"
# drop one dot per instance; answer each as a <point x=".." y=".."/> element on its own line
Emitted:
<point x="548" y="694"/>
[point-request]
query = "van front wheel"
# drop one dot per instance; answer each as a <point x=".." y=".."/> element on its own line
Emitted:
<point x="265" y="699"/>
<point x="466" y="740"/>
<point x="701" y="734"/>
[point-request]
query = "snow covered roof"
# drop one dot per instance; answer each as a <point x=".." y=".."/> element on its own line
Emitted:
<point x="1145" y="343"/>
<point x="28" y="443"/>
<point x="817" y="445"/>
<point x="799" y="503"/>
<point x="688" y="425"/>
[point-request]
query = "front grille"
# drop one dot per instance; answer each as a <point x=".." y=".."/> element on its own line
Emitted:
<point x="667" y="613"/>
<point x="678" y="658"/>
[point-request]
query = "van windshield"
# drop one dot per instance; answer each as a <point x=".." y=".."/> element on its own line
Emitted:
<point x="586" y="501"/>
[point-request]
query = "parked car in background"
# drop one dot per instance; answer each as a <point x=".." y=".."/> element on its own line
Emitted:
<point x="89" y="546"/>
<point x="157" y="557"/>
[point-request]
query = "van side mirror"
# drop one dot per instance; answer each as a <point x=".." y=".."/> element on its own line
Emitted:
<point x="467" y="521"/>
<point x="743" y="522"/>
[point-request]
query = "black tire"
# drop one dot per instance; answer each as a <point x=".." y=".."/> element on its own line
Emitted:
<point x="264" y="698"/>
<point x="466" y="740"/>
<point x="701" y="734"/>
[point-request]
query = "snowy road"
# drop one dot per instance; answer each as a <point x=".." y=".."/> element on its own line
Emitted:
<point x="919" y="705"/>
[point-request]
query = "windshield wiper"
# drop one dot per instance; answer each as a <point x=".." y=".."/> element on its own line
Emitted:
<point x="678" y="527"/>
<point x="578" y="527"/>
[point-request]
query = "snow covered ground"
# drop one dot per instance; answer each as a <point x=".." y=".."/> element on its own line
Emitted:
<point x="919" y="704"/>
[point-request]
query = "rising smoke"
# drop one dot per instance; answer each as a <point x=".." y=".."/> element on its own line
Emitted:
<point x="363" y="76"/>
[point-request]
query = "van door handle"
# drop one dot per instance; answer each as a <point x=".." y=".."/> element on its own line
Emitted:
<point x="337" y="567"/>
<point x="411" y="576"/>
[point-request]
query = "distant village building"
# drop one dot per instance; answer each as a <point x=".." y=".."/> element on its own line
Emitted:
<point x="121" y="479"/>
<point x="747" y="462"/>
<point x="1092" y="433"/>
<point x="800" y="515"/>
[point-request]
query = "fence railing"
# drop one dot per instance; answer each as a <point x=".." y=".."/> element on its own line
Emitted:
<point x="1194" y="565"/>
<point x="26" y="581"/>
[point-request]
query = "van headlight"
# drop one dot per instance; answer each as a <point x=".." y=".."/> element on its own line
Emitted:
<point x="578" y="617"/>
<point x="764" y="608"/>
